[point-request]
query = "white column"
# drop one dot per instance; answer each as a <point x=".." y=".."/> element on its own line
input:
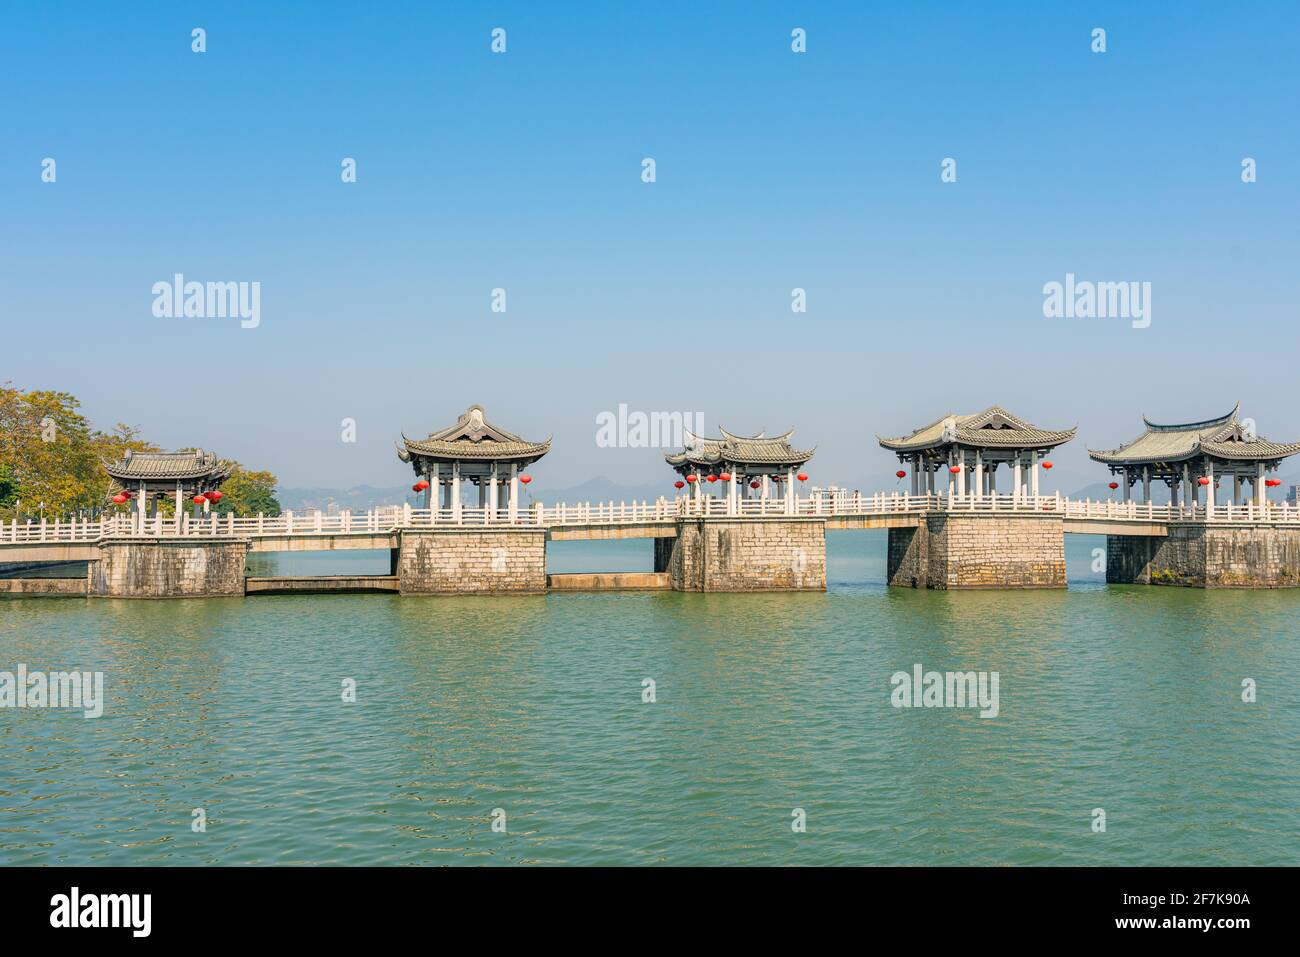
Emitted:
<point x="514" y="491"/>
<point x="1236" y="488"/>
<point x="1190" y="493"/>
<point x="1210" y="497"/>
<point x="431" y="493"/>
<point x="978" y="490"/>
<point x="916" y="475"/>
<point x="492" y="494"/>
<point x="1127" y="485"/>
<point x="765" y="487"/>
<point x="731" y="493"/>
<point x="789" y="491"/>
<point x="1259" y="484"/>
<point x="455" y="491"/>
<point x="1033" y="473"/>
<point x="1146" y="484"/>
<point x="1016" y="488"/>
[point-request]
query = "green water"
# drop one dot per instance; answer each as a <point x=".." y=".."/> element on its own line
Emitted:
<point x="1125" y="698"/>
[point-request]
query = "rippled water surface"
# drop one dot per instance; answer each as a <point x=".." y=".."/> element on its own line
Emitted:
<point x="1124" y="698"/>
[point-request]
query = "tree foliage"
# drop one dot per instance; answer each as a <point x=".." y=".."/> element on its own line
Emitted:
<point x="50" y="454"/>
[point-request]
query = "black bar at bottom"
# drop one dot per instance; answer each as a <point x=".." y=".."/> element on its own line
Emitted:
<point x="213" y="905"/>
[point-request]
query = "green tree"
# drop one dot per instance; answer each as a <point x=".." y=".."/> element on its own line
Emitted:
<point x="8" y="487"/>
<point x="247" y="493"/>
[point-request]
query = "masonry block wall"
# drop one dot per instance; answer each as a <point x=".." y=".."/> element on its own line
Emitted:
<point x="979" y="550"/>
<point x="168" y="568"/>
<point x="491" y="561"/>
<point x="907" y="557"/>
<point x="730" y="555"/>
<point x="1207" y="556"/>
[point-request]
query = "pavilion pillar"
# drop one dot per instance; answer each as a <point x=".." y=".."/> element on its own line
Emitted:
<point x="1016" y="490"/>
<point x="789" y="491"/>
<point x="1033" y="472"/>
<point x="1146" y="485"/>
<point x="1189" y="493"/>
<point x="513" y="512"/>
<point x="731" y="492"/>
<point x="765" y="481"/>
<point x="1210" y="497"/>
<point x="492" y="494"/>
<point x="978" y="490"/>
<point x="697" y="483"/>
<point x="455" y="492"/>
<point x="1259" y="484"/>
<point x="431" y="492"/>
<point x="916" y="474"/>
<point x="1236" y="488"/>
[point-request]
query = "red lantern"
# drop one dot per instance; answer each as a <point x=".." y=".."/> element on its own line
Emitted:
<point x="415" y="487"/>
<point x="954" y="469"/>
<point x="214" y="496"/>
<point x="692" y="479"/>
<point x="1272" y="483"/>
<point x="900" y="474"/>
<point x="1047" y="465"/>
<point x="711" y="478"/>
<point x="199" y="500"/>
<point x="802" y="477"/>
<point x="1113" y="486"/>
<point x="420" y="486"/>
<point x="679" y="484"/>
<point x="753" y="484"/>
<point x="119" y="498"/>
<point x="1203" y="480"/>
<point x="725" y="476"/>
<point x="525" y="479"/>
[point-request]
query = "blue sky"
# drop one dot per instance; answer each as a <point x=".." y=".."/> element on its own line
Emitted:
<point x="522" y="170"/>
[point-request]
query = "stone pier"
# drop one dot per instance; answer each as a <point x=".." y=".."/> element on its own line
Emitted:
<point x="745" y="555"/>
<point x="472" y="561"/>
<point x="1197" y="555"/>
<point x="978" y="550"/>
<point x="191" y="567"/>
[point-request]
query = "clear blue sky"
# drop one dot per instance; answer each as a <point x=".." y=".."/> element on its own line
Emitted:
<point x="522" y="170"/>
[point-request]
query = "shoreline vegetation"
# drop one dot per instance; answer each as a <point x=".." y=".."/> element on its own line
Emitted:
<point x="51" y="455"/>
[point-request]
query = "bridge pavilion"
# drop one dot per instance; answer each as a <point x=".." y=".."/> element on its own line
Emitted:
<point x="1193" y="456"/>
<point x="477" y="451"/>
<point x="150" y="476"/>
<point x="975" y="446"/>
<point x="740" y="461"/>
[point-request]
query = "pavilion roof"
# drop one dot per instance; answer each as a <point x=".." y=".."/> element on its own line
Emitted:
<point x="995" y="427"/>
<point x="473" y="437"/>
<point x="742" y="450"/>
<point x="169" y="467"/>
<point x="1222" y="437"/>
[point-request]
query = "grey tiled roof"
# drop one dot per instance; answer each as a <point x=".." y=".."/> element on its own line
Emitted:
<point x="1221" y="437"/>
<point x="995" y="427"/>
<point x="473" y="437"/>
<point x="169" y="466"/>
<point x="741" y="450"/>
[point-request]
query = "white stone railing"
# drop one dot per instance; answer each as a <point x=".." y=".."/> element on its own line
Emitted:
<point x="829" y="505"/>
